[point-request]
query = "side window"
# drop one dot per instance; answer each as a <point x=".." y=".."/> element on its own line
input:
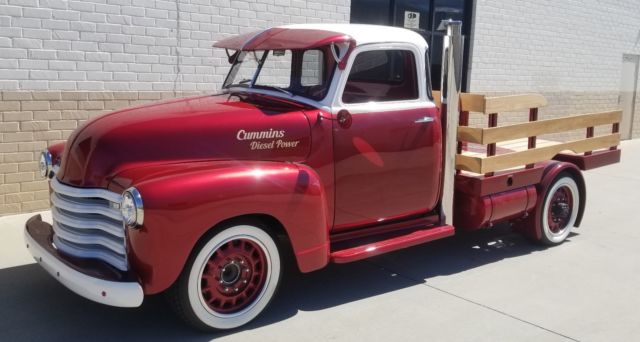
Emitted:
<point x="427" y="63"/>
<point x="382" y="75"/>
<point x="312" y="68"/>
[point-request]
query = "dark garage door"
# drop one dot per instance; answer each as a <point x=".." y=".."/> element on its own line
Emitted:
<point x="422" y="16"/>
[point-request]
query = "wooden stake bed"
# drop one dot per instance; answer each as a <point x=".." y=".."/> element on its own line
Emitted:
<point x="516" y="145"/>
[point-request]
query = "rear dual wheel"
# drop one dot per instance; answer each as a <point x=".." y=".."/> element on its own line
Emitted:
<point x="229" y="280"/>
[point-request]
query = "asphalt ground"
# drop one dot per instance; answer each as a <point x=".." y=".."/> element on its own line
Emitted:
<point x="492" y="285"/>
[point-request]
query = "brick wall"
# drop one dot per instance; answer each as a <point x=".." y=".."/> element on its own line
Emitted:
<point x="139" y="45"/>
<point x="33" y="120"/>
<point x="62" y="62"/>
<point x="570" y="51"/>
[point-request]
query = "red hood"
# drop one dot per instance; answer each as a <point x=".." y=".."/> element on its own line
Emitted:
<point x="189" y="129"/>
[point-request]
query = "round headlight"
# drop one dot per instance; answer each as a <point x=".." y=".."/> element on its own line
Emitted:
<point x="131" y="208"/>
<point x="45" y="165"/>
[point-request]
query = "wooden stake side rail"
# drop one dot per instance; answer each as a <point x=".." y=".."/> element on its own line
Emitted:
<point x="486" y="136"/>
<point x="534" y="155"/>
<point x="478" y="103"/>
<point x="491" y="106"/>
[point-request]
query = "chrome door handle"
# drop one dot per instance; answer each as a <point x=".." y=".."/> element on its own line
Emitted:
<point x="425" y="119"/>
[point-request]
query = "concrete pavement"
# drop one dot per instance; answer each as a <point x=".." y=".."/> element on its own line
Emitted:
<point x="488" y="286"/>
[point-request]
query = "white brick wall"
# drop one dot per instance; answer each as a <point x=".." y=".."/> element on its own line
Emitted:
<point x="570" y="51"/>
<point x="551" y="45"/>
<point x="135" y="45"/>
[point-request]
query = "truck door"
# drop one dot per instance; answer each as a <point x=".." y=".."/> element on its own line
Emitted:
<point x="387" y="139"/>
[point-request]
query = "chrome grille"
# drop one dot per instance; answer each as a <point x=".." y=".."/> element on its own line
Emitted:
<point x="88" y="224"/>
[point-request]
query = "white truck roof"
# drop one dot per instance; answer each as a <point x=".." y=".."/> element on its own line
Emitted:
<point x="305" y="36"/>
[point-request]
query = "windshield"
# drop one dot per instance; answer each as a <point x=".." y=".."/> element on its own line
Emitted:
<point x="304" y="73"/>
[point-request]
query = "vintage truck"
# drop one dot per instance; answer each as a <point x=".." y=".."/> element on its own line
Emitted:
<point x="325" y="145"/>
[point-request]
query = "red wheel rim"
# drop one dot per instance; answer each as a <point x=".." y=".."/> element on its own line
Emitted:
<point x="234" y="276"/>
<point x="560" y="209"/>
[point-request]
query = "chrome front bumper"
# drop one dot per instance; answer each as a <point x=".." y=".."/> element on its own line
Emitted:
<point x="98" y="285"/>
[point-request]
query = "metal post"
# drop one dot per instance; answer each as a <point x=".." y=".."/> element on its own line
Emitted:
<point x="533" y="116"/>
<point x="450" y="89"/>
<point x="462" y="145"/>
<point x="589" y="135"/>
<point x="615" y="129"/>
<point x="491" y="148"/>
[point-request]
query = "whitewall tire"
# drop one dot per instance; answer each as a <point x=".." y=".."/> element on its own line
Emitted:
<point x="560" y="210"/>
<point x="229" y="280"/>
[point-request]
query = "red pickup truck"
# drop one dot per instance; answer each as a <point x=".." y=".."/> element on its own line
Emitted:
<point x="326" y="144"/>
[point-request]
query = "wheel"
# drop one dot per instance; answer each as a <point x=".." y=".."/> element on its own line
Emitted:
<point x="560" y="210"/>
<point x="229" y="280"/>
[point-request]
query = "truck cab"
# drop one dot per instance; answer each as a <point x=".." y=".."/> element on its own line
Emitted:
<point x="369" y="90"/>
<point x="325" y="144"/>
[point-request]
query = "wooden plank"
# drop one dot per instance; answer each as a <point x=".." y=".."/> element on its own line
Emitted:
<point x="472" y="102"/>
<point x="486" y="136"/>
<point x="509" y="160"/>
<point x="513" y="103"/>
<point x="479" y="103"/>
<point x="472" y="134"/>
<point x="437" y="98"/>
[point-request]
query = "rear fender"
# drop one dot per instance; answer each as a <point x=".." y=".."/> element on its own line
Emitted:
<point x="184" y="201"/>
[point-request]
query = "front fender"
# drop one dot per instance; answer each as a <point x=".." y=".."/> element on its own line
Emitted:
<point x="56" y="151"/>
<point x="184" y="201"/>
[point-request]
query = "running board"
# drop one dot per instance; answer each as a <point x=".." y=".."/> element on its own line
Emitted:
<point x="416" y="237"/>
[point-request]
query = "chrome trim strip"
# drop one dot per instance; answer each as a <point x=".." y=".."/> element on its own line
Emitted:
<point x="86" y="223"/>
<point x="120" y="294"/>
<point x="85" y="208"/>
<point x="426" y="119"/>
<point x="87" y="252"/>
<point x="84" y="192"/>
<point x="82" y="238"/>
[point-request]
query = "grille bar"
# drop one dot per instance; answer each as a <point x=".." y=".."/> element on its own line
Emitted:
<point x="80" y="222"/>
<point x="88" y="224"/>
<point x="84" y="192"/>
<point x="88" y="207"/>
<point x="90" y="251"/>
<point x="88" y="238"/>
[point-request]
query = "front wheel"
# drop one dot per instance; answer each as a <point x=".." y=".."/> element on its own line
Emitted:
<point x="229" y="280"/>
<point x="560" y="210"/>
